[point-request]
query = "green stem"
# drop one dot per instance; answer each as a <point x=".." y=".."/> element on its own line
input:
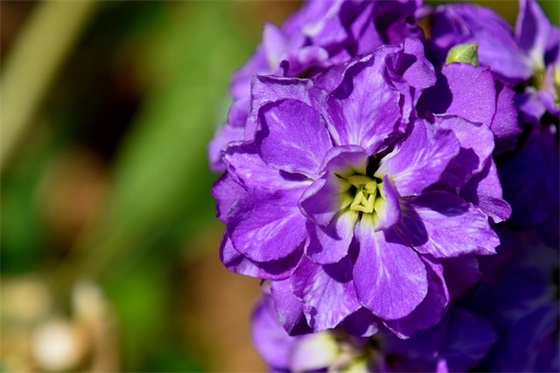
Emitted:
<point x="38" y="54"/>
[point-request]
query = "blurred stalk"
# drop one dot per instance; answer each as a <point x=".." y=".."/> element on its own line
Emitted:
<point x="160" y="180"/>
<point x="41" y="48"/>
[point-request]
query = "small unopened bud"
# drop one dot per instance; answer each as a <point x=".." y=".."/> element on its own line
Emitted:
<point x="465" y="53"/>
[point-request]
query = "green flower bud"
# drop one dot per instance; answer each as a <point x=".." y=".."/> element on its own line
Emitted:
<point x="466" y="53"/>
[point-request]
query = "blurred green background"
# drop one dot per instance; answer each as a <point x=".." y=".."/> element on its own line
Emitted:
<point x="109" y="245"/>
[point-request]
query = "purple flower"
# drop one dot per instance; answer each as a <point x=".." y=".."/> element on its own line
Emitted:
<point x="514" y="55"/>
<point x="321" y="34"/>
<point x="475" y="94"/>
<point x="521" y="300"/>
<point x="529" y="57"/>
<point x="455" y="344"/>
<point x="351" y="202"/>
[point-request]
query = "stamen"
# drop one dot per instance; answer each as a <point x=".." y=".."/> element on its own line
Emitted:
<point x="366" y="193"/>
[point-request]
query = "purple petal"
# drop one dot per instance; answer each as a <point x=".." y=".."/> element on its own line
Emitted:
<point x="461" y="274"/>
<point x="226" y="192"/>
<point x="423" y="345"/>
<point x="388" y="208"/>
<point x="238" y="113"/>
<point x="365" y="37"/>
<point x="390" y="278"/>
<point x="466" y="23"/>
<point x="396" y="20"/>
<point x="453" y="227"/>
<point x="240" y="87"/>
<point x="248" y="169"/>
<point x="330" y="244"/>
<point x="469" y="339"/>
<point x="327" y="292"/>
<point x="326" y="28"/>
<point x="504" y="124"/>
<point x="420" y="159"/>
<point x="288" y="308"/>
<point x="293" y="137"/>
<point x="430" y="311"/>
<point x="470" y="135"/>
<point x="477" y="144"/>
<point x="307" y="57"/>
<point x="272" y="270"/>
<point x="364" y="108"/>
<point x="346" y="160"/>
<point x="323" y="199"/>
<point x="274" y="45"/>
<point x="473" y="92"/>
<point x="530" y="177"/>
<point x="531" y="108"/>
<point x="271" y="341"/>
<point x="441" y="345"/>
<point x="552" y="54"/>
<point x="416" y="69"/>
<point x="267" y="226"/>
<point x="265" y="89"/>
<point x="484" y="190"/>
<point x="224" y="136"/>
<point x="533" y="31"/>
<point x="361" y="323"/>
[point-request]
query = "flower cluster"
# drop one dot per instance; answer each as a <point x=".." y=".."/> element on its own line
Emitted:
<point x="363" y="167"/>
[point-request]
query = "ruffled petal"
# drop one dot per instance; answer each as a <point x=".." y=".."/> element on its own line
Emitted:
<point x="292" y="137"/>
<point x="289" y="308"/>
<point x="504" y="124"/>
<point x="361" y="323"/>
<point x="327" y="292"/>
<point x="530" y="177"/>
<point x="224" y="136"/>
<point x="226" y="191"/>
<point x="364" y="109"/>
<point x="323" y="199"/>
<point x="533" y="31"/>
<point x="269" y="338"/>
<point x="430" y="311"/>
<point x="484" y="190"/>
<point x="419" y="160"/>
<point x="462" y="90"/>
<point x="448" y="225"/>
<point x="330" y="244"/>
<point x="477" y="144"/>
<point x="346" y="160"/>
<point x="267" y="226"/>
<point x="466" y="23"/>
<point x="247" y="168"/>
<point x="460" y="273"/>
<point x="267" y="88"/>
<point x="389" y="276"/>
<point x="415" y="67"/>
<point x="387" y="208"/>
<point x="236" y="262"/>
